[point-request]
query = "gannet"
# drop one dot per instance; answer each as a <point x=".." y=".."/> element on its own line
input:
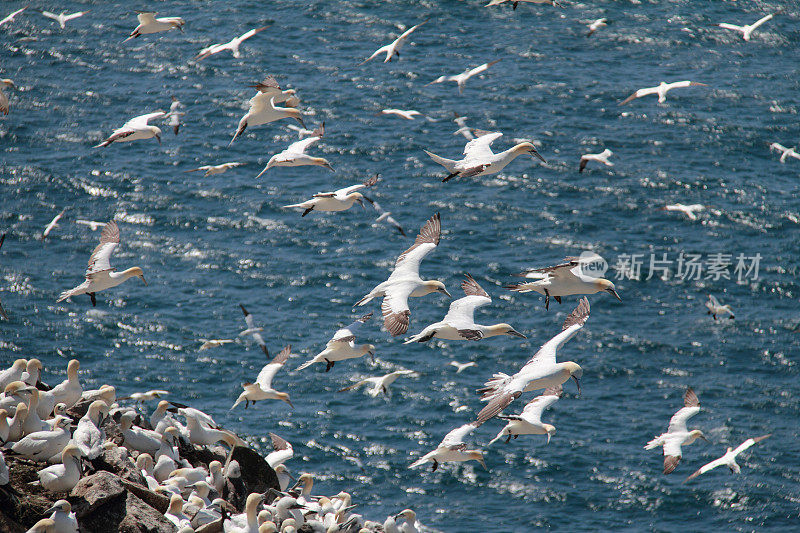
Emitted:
<point x="677" y="435"/>
<point x="405" y="280"/>
<point x="253" y="331"/>
<point x="452" y="449"/>
<point x="661" y="90"/>
<point x="462" y="78"/>
<point x="262" y="388"/>
<point x="529" y="422"/>
<point x="5" y="429"/>
<point x="210" y="170"/>
<point x="689" y="210"/>
<point x="463" y="129"/>
<point x="284" y="477"/>
<point x="282" y="451"/>
<point x="232" y="45"/>
<point x="100" y="275"/>
<point x="148" y="23"/>
<point x="540" y="372"/>
<point x="67" y="392"/>
<point x="2" y="311"/>
<point x="62" y="18"/>
<point x="33" y="372"/>
<point x="747" y="29"/>
<point x="207" y="436"/>
<point x="602" y="157"/>
<point x="144" y="462"/>
<point x="175" y="512"/>
<point x="62" y="477"/>
<point x="63" y="518"/>
<point x="10" y="18"/>
<point x="45" y="525"/>
<point x="93" y="225"/>
<point x="213" y="343"/>
<point x="13" y="373"/>
<point x="564" y="279"/>
<point x="729" y="459"/>
<point x="136" y="129"/>
<point x="402" y="113"/>
<point x="459" y="322"/>
<point x="295" y="155"/>
<point x="33" y="422"/>
<point x="385" y="216"/>
<point x="140" y="397"/>
<point x="89" y="436"/>
<point x="53" y="223"/>
<point x="13" y="393"/>
<point x="380" y="384"/>
<point x="515" y="2"/>
<point x="175" y="114"/>
<point x="41" y="445"/>
<point x="339" y="200"/>
<point x="717" y="309"/>
<point x="136" y="438"/>
<point x="393" y="49"/>
<point x="15" y="424"/>
<point x="342" y="346"/>
<point x="263" y="111"/>
<point x="479" y="160"/>
<point x="5" y="106"/>
<point x="785" y="152"/>
<point x="460" y="367"/>
<point x="597" y="24"/>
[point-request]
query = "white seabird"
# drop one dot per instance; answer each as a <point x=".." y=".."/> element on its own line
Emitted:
<point x="210" y="170"/>
<point x="253" y="331"/>
<point x="232" y="45"/>
<point x="602" y="157"/>
<point x="514" y="3"/>
<point x="459" y="322"/>
<point x="342" y="346"/>
<point x="452" y="449"/>
<point x="529" y="422"/>
<point x="334" y="201"/>
<point x="393" y="49"/>
<point x="729" y="459"/>
<point x="262" y="388"/>
<point x="100" y="275"/>
<point x="272" y="89"/>
<point x="463" y="129"/>
<point x="747" y="29"/>
<point x="409" y="114"/>
<point x="479" y="160"/>
<point x="385" y="216"/>
<point x="136" y="129"/>
<point x="716" y="309"/>
<point x="295" y="155"/>
<point x="461" y="79"/>
<point x="5" y="106"/>
<point x="405" y="281"/>
<point x="136" y="438"/>
<point x="62" y="18"/>
<point x="380" y="384"/>
<point x="785" y="152"/>
<point x="41" y="445"/>
<point x="13" y="373"/>
<point x="540" y="372"/>
<point x="148" y="23"/>
<point x="213" y="343"/>
<point x="62" y="477"/>
<point x="12" y="16"/>
<point x="562" y="280"/>
<point x="460" y="367"/>
<point x="53" y="223"/>
<point x="597" y="24"/>
<point x="282" y="451"/>
<point x="63" y="518"/>
<point x="661" y="90"/>
<point x="689" y="210"/>
<point x="677" y="435"/>
<point x="89" y="436"/>
<point x="93" y="224"/>
<point x="263" y="111"/>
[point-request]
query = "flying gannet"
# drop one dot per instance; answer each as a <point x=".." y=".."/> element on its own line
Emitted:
<point x="514" y="3"/>
<point x="393" y="49"/>
<point x="262" y="388"/>
<point x="232" y="45"/>
<point x="785" y="152"/>
<point x="460" y="367"/>
<point x="380" y="384"/>
<point x="343" y="346"/>
<point x="452" y="449"/>
<point x="210" y="170"/>
<point x="263" y="111"/>
<point x="529" y="422"/>
<point x="385" y="216"/>
<point x="597" y="24"/>
<point x="136" y="129"/>
<point x="402" y="113"/>
<point x="461" y="79"/>
<point x="340" y="200"/>
<point x="53" y="223"/>
<point x="729" y="459"/>
<point x="661" y="90"/>
<point x="295" y="155"/>
<point x="689" y="210"/>
<point x="100" y="275"/>
<point x="747" y="29"/>
<point x="459" y="322"/>
<point x="62" y="18"/>
<point x="716" y="309"/>
<point x="540" y="372"/>
<point x="253" y="331"/>
<point x="479" y="160"/>
<point x="602" y="157"/>
<point x="405" y="281"/>
<point x="677" y="435"/>
<point x="148" y="23"/>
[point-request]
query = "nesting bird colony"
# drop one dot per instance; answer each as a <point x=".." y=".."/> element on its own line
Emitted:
<point x="64" y="428"/>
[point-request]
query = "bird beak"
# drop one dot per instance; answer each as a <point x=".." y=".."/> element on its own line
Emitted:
<point x="287" y="400"/>
<point x="300" y="120"/>
<point x="53" y="509"/>
<point x="372" y="355"/>
<point x="548" y="438"/>
<point x="612" y="291"/>
<point x="578" y="383"/>
<point x="158" y="138"/>
<point x="444" y="291"/>
<point x="705" y="439"/>
<point x="483" y="464"/>
<point x="361" y="203"/>
<point x="143" y="280"/>
<point x="329" y="167"/>
<point x="534" y="153"/>
<point x="516" y="334"/>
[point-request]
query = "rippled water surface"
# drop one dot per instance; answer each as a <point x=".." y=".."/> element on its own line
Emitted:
<point x="208" y="244"/>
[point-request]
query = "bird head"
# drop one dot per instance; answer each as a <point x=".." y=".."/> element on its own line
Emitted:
<point x="605" y="285"/>
<point x="575" y="372"/>
<point x="409" y="515"/>
<point x="285" y="397"/>
<point x="60" y="506"/>
<point x="135" y="271"/>
<point x="478" y="456"/>
<point x="436" y="286"/>
<point x="550" y="429"/>
<point x="507" y="329"/>
<point x="7" y="82"/>
<point x="321" y="161"/>
<point x="697" y="434"/>
<point x="369" y="349"/>
<point x="528" y="148"/>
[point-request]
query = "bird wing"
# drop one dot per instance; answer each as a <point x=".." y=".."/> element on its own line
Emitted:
<point x="99" y="261"/>
<point x="749" y="442"/>
<point x="270" y="84"/>
<point x="709" y="466"/>
<point x="50" y="15"/>
<point x="142" y="120"/>
<point x="574" y="322"/>
<point x="532" y="412"/>
<point x="248" y="318"/>
<point x="267" y="373"/>
<point x="479" y="148"/>
<point x="713" y="301"/>
<point x="348" y="334"/>
<point x="731" y="26"/>
<point x="75" y="15"/>
<point x="279" y="443"/>
<point x="428" y="238"/>
<point x="260" y="103"/>
<point x="471" y="287"/>
<point x="409" y="31"/>
<point x="462" y="311"/>
<point x="357" y="384"/>
<point x="481" y="68"/>
<point x="456" y="436"/>
<point x="639" y="94"/>
<point x="146" y="17"/>
<point x="761" y="21"/>
<point x="252" y="32"/>
<point x="678" y="421"/>
<point x="394" y="308"/>
<point x="299" y="147"/>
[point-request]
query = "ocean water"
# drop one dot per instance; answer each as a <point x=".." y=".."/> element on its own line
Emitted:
<point x="208" y="244"/>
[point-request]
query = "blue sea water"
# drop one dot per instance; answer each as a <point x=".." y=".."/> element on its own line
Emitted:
<point x="208" y="244"/>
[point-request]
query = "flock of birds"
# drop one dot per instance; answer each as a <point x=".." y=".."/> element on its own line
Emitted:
<point x="33" y="420"/>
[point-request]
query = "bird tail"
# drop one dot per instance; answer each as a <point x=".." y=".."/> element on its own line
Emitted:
<point x="366" y="299"/>
<point x="449" y="164"/>
<point x="418" y="462"/>
<point x="519" y="287"/>
<point x="653" y="444"/>
<point x="491" y="387"/>
<point x="498" y="437"/>
<point x="239" y="131"/>
<point x="414" y="338"/>
<point x="306" y="364"/>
